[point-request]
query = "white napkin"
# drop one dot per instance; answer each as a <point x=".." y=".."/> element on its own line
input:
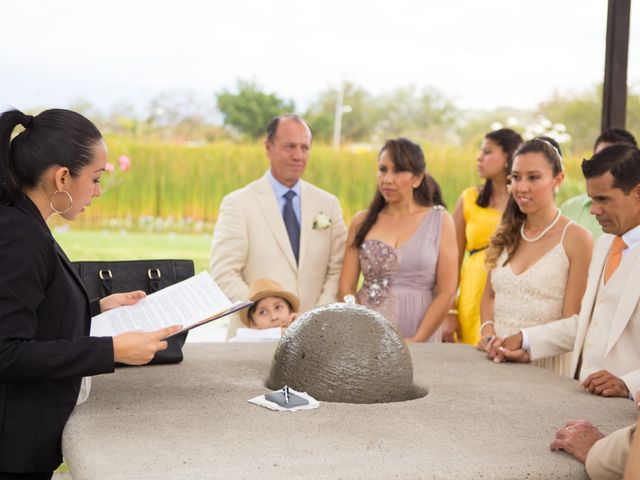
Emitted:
<point x="313" y="403"/>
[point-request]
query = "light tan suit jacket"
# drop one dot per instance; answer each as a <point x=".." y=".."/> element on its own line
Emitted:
<point x="608" y="456"/>
<point x="622" y="353"/>
<point x="250" y="242"/>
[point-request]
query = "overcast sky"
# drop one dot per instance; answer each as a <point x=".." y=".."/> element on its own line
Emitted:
<point x="480" y="53"/>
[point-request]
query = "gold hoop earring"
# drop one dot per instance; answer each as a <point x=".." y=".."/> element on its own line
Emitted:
<point x="60" y="212"/>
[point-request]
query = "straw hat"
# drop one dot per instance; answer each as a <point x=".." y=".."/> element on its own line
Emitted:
<point x="264" y="288"/>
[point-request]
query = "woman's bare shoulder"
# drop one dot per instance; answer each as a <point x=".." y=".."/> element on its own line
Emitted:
<point x="577" y="240"/>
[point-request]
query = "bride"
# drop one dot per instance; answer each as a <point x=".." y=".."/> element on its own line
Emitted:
<point x="538" y="258"/>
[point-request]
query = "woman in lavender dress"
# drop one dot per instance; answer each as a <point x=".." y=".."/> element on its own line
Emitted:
<point x="405" y="247"/>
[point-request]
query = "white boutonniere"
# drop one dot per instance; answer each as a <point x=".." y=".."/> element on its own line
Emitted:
<point x="321" y="221"/>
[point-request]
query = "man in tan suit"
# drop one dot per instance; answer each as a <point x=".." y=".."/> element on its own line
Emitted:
<point x="280" y="227"/>
<point x="605" y="336"/>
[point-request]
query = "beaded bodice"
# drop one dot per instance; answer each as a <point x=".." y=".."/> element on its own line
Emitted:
<point x="378" y="262"/>
<point x="399" y="282"/>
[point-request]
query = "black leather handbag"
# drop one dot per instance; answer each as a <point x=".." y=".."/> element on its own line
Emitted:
<point x="102" y="278"/>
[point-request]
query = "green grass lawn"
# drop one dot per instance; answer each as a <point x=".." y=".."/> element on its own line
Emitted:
<point x="106" y="245"/>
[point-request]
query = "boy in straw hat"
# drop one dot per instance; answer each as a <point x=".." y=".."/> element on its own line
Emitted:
<point x="273" y="309"/>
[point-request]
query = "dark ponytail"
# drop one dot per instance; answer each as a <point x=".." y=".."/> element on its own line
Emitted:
<point x="54" y="137"/>
<point x="406" y="156"/>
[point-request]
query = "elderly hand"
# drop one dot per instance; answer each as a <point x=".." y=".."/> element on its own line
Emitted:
<point x="120" y="299"/>
<point x="138" y="348"/>
<point x="451" y="329"/>
<point x="507" y="349"/>
<point x="606" y="384"/>
<point x="576" y="438"/>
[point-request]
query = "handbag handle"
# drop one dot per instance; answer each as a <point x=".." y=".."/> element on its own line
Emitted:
<point x="154" y="275"/>
<point x="106" y="281"/>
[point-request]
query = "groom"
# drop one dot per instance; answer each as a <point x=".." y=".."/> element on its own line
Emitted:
<point x="605" y="335"/>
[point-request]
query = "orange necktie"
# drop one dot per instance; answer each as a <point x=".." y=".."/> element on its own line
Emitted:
<point x="615" y="254"/>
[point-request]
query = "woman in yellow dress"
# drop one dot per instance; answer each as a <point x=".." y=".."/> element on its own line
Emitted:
<point x="476" y="216"/>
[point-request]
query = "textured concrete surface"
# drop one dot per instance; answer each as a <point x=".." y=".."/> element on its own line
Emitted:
<point x="193" y="421"/>
<point x="342" y="341"/>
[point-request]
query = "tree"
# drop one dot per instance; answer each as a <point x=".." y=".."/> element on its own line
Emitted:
<point x="582" y="112"/>
<point x="250" y="109"/>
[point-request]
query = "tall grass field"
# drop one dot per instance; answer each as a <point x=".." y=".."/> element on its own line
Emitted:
<point x="179" y="188"/>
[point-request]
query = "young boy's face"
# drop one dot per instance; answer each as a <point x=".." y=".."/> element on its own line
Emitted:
<point x="271" y="312"/>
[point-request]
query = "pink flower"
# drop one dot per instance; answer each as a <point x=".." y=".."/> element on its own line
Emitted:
<point x="124" y="162"/>
<point x="109" y="167"/>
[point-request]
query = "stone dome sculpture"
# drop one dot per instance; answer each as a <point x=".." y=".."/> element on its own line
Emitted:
<point x="344" y="352"/>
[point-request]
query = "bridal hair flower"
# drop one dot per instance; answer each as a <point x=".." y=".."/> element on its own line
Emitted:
<point x="321" y="221"/>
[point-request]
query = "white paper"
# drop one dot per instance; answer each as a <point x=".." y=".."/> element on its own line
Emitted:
<point x="263" y="402"/>
<point x="188" y="303"/>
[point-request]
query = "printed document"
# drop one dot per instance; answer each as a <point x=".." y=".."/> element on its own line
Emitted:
<point x="189" y="303"/>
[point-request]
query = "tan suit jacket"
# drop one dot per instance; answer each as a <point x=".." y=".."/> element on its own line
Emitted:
<point x="250" y="242"/>
<point x="608" y="456"/>
<point x="622" y="355"/>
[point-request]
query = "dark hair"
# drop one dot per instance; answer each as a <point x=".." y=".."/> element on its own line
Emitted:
<point x="406" y="157"/>
<point x="552" y="141"/>
<point x="507" y="235"/>
<point x="272" y="128"/>
<point x="509" y="140"/>
<point x="622" y="160"/>
<point x="54" y="137"/>
<point x="615" y="135"/>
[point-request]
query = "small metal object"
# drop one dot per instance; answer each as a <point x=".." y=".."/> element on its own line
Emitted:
<point x="105" y="274"/>
<point x="154" y="273"/>
<point x="285" y="392"/>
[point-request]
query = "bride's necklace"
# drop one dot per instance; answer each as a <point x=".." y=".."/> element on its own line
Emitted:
<point x="542" y="233"/>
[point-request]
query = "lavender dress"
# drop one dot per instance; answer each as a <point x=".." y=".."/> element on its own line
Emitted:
<point x="399" y="282"/>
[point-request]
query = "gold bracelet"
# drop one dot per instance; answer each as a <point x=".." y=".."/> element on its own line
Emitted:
<point x="452" y="311"/>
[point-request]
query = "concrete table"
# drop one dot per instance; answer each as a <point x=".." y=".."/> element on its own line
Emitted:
<point x="193" y="421"/>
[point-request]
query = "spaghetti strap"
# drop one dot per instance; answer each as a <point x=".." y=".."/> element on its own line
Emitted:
<point x="564" y="231"/>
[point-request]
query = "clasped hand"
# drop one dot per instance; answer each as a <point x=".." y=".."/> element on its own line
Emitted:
<point x="502" y="349"/>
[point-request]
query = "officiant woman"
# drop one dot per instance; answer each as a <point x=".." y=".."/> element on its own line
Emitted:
<point x="52" y="166"/>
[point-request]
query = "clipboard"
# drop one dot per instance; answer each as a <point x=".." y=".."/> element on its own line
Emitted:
<point x="236" y="307"/>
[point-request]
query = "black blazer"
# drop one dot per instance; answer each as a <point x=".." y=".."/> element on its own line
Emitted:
<point x="45" y="349"/>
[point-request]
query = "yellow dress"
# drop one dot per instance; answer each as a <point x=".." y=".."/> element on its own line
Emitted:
<point x="480" y="224"/>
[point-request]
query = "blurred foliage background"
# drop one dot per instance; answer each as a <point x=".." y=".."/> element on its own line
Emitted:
<point x="173" y="163"/>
